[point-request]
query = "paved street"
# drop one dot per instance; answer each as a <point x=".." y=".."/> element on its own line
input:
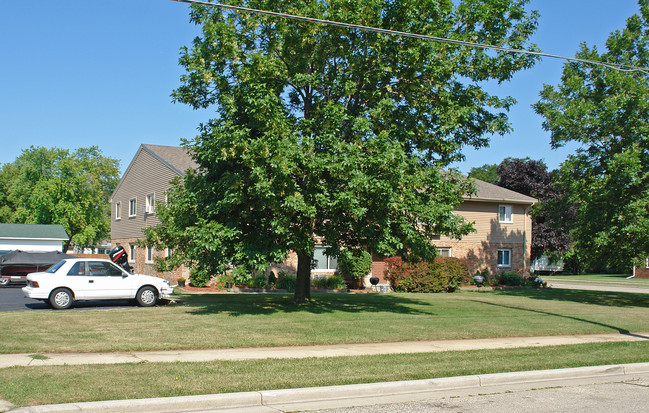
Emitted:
<point x="593" y="398"/>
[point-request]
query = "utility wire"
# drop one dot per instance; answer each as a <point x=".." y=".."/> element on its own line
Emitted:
<point x="622" y="68"/>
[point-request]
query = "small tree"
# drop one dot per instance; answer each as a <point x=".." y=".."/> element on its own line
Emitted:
<point x="355" y="264"/>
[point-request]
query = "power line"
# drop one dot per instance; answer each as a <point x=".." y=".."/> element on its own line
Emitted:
<point x="615" y="66"/>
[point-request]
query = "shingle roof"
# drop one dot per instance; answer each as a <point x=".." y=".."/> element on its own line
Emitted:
<point x="174" y="156"/>
<point x="33" y="231"/>
<point x="495" y="193"/>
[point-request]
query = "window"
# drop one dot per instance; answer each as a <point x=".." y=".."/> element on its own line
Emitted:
<point x="102" y="268"/>
<point x="322" y="261"/>
<point x="149" y="254"/>
<point x="118" y="210"/>
<point x="131" y="252"/>
<point x="132" y="207"/>
<point x="170" y="252"/>
<point x="505" y="213"/>
<point x="150" y="204"/>
<point x="504" y="258"/>
<point x="444" y="252"/>
<point x="78" y="268"/>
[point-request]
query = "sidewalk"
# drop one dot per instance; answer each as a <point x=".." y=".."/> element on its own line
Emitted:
<point x="293" y="352"/>
<point x="336" y="396"/>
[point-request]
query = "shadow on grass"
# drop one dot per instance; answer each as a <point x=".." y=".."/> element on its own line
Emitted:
<point x="583" y="320"/>
<point x="607" y="298"/>
<point x="265" y="304"/>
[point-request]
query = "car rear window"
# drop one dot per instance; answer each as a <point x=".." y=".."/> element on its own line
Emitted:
<point x="55" y="267"/>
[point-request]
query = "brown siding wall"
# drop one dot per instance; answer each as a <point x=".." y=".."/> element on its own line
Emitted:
<point x="146" y="175"/>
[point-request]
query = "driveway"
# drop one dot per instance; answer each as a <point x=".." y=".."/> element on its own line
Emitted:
<point x="598" y="287"/>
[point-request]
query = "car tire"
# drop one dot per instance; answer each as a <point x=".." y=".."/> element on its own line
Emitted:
<point x="61" y="299"/>
<point x="4" y="281"/>
<point x="147" y="296"/>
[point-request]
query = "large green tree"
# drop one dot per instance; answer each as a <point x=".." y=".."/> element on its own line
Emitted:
<point x="54" y="186"/>
<point x="606" y="111"/>
<point x="333" y="134"/>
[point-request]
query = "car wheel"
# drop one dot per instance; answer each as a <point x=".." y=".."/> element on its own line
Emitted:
<point x="4" y="281"/>
<point x="147" y="296"/>
<point x="61" y="298"/>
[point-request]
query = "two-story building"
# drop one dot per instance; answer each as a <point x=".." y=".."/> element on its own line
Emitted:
<point x="501" y="242"/>
<point x="145" y="182"/>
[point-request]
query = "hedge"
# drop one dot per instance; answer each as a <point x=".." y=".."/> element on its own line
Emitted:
<point x="445" y="274"/>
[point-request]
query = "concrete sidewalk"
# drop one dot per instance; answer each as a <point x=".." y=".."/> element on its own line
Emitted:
<point x="292" y="352"/>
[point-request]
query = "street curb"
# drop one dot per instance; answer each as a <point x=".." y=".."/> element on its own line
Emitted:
<point x="267" y="398"/>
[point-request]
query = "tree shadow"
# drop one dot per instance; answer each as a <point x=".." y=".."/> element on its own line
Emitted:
<point x="321" y="303"/>
<point x="606" y="298"/>
<point x="583" y="320"/>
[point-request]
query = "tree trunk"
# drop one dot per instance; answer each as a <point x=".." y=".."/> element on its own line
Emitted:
<point x="303" y="280"/>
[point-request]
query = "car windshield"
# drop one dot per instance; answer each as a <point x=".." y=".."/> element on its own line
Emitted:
<point x="55" y="267"/>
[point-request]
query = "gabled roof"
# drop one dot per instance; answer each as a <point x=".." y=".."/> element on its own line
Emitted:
<point x="33" y="231"/>
<point x="493" y="193"/>
<point x="175" y="158"/>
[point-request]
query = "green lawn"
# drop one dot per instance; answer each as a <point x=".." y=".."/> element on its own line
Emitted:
<point x="218" y="321"/>
<point x="241" y="320"/>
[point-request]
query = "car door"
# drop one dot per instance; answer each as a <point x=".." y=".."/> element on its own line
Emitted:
<point x="78" y="281"/>
<point x="107" y="281"/>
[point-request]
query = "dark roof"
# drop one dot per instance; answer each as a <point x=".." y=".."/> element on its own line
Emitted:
<point x="494" y="193"/>
<point x="175" y="157"/>
<point x="33" y="231"/>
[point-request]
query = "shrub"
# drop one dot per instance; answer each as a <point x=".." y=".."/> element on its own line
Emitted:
<point x="334" y="282"/>
<point x="286" y="281"/>
<point x="199" y="277"/>
<point x="511" y="278"/>
<point x="444" y="274"/>
<point x="355" y="264"/>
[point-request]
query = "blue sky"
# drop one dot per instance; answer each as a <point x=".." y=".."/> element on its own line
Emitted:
<point x="77" y="73"/>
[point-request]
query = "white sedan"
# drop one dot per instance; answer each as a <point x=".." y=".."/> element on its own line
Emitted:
<point x="79" y="279"/>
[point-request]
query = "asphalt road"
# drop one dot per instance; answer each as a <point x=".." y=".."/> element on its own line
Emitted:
<point x="12" y="299"/>
<point x="593" y="398"/>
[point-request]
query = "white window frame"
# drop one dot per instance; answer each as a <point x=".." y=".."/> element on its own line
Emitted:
<point x="505" y="252"/>
<point x="150" y="204"/>
<point x="505" y="214"/>
<point x="439" y="251"/>
<point x="170" y="252"/>
<point x="118" y="211"/>
<point x="149" y="255"/>
<point x="329" y="260"/>
<point x="132" y="249"/>
<point x="132" y="207"/>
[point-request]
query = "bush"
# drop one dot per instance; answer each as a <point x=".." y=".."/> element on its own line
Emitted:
<point x="286" y="281"/>
<point x="511" y="279"/>
<point x="334" y="282"/>
<point x="355" y="264"/>
<point x="199" y="277"/>
<point x="445" y="274"/>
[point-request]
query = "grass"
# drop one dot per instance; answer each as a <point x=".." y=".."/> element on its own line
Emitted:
<point x="228" y="321"/>
<point x="65" y="384"/>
